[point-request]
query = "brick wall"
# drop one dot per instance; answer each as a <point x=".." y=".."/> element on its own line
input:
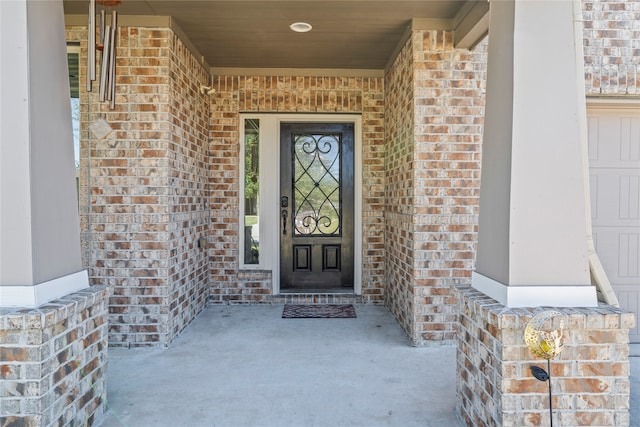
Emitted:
<point x="188" y="172"/>
<point x="590" y="378"/>
<point x="435" y="107"/>
<point x="286" y="94"/>
<point x="399" y="188"/>
<point x="124" y="188"/>
<point x="143" y="194"/>
<point x="612" y="46"/>
<point x="449" y="99"/>
<point x="53" y="360"/>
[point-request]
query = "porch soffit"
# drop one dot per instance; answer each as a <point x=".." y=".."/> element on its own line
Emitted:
<point x="346" y="35"/>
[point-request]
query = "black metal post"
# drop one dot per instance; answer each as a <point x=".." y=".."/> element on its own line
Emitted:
<point x="550" y="401"/>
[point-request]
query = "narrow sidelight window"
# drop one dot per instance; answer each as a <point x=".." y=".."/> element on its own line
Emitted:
<point x="251" y="191"/>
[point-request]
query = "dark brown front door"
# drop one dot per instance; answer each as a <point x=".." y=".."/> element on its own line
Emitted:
<point x="316" y="206"/>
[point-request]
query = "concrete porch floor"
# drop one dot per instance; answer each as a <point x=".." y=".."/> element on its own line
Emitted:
<point x="246" y="366"/>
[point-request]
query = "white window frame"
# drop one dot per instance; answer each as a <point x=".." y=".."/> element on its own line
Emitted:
<point x="261" y="258"/>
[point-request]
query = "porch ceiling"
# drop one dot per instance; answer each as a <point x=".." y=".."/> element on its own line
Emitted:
<point x="348" y="34"/>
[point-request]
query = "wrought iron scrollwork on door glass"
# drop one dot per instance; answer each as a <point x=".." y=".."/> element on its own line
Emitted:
<point x="316" y="185"/>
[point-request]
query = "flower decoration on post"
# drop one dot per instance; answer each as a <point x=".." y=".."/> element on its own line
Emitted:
<point x="545" y="345"/>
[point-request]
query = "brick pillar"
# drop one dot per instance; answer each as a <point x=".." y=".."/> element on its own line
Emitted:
<point x="433" y="118"/>
<point x="590" y="378"/>
<point x="144" y="187"/>
<point x="53" y="361"/>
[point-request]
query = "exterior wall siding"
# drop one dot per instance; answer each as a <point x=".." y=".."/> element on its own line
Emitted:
<point x="285" y="94"/>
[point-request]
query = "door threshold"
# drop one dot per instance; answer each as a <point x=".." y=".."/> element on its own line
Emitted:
<point x="346" y="291"/>
<point x="324" y="297"/>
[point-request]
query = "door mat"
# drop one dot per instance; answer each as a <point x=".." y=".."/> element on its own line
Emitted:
<point x="319" y="311"/>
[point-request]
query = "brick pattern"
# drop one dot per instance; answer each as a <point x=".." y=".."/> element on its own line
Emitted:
<point x="124" y="188"/>
<point x="53" y="361"/>
<point x="612" y="47"/>
<point x="449" y="114"/>
<point x="188" y="202"/>
<point x="143" y="189"/>
<point x="399" y="189"/>
<point x="435" y="107"/>
<point x="590" y="378"/>
<point x="286" y="95"/>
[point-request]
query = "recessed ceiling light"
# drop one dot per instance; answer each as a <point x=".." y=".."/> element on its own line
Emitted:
<point x="300" y="27"/>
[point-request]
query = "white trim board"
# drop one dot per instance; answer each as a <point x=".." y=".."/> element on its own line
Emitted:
<point x="41" y="293"/>
<point x="536" y="296"/>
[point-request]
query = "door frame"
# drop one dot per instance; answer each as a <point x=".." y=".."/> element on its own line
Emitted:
<point x="270" y="188"/>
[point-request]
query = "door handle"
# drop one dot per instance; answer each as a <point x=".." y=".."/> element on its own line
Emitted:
<point x="284" y="214"/>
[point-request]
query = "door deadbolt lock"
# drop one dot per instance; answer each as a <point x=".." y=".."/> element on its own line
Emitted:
<point x="284" y="202"/>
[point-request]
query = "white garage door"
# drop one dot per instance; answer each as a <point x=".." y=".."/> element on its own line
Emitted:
<point x="614" y="160"/>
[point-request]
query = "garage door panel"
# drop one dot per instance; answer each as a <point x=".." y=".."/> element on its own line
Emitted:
<point x="629" y="299"/>
<point x="594" y="193"/>
<point x="614" y="141"/>
<point x="630" y="139"/>
<point x="615" y="197"/>
<point x="614" y="169"/>
<point x="629" y="197"/>
<point x="629" y="255"/>
<point x="593" y="126"/>
<point x="619" y="251"/>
